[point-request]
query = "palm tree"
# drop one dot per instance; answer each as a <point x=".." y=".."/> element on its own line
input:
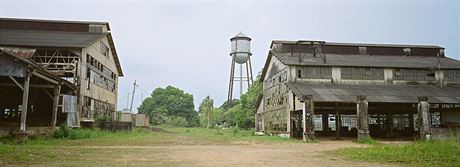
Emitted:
<point x="206" y="108"/>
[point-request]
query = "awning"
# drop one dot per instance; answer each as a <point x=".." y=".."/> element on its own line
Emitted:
<point x="376" y="93"/>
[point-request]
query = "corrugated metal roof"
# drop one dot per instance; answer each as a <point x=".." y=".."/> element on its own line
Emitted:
<point x="376" y="93"/>
<point x="359" y="44"/>
<point x="368" y="61"/>
<point x="48" y="38"/>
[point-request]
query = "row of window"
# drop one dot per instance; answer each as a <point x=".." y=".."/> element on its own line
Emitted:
<point x="99" y="66"/>
<point x="315" y="72"/>
<point x="452" y="75"/>
<point x="99" y="80"/>
<point x="100" y="75"/>
<point x="363" y="73"/>
<point x="414" y="75"/>
<point x="276" y="80"/>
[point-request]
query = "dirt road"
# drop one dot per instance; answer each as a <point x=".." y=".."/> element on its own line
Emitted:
<point x="236" y="154"/>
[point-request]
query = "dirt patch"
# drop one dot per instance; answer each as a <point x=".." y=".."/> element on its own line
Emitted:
<point x="237" y="154"/>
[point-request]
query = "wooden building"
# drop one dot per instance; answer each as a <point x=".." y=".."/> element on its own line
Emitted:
<point x="82" y="53"/>
<point x="317" y="88"/>
<point x="25" y="83"/>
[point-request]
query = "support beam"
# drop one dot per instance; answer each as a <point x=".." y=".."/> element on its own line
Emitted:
<point x="25" y="100"/>
<point x="424" y="125"/>
<point x="338" y="125"/>
<point x="57" y="90"/>
<point x="16" y="82"/>
<point x="325" y="121"/>
<point x="308" y="115"/>
<point x="361" y="112"/>
<point x="389" y="124"/>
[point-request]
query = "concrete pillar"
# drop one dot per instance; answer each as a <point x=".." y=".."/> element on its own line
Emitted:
<point x="325" y="121"/>
<point x="25" y="100"/>
<point x="307" y="118"/>
<point x="361" y="112"/>
<point x="424" y="123"/>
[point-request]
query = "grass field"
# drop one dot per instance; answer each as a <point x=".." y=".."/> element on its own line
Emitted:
<point x="430" y="153"/>
<point x="217" y="147"/>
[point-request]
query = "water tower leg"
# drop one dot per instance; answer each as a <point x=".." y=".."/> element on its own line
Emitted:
<point x="250" y="69"/>
<point x="247" y="75"/>
<point x="230" y="85"/>
<point x="241" y="79"/>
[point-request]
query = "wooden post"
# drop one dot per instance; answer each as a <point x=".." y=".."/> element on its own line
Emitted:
<point x="57" y="90"/>
<point x="424" y="126"/>
<point x="389" y="119"/>
<point x="308" y="118"/>
<point x="304" y="122"/>
<point x="361" y="112"/>
<point x="338" y="125"/>
<point x="25" y="100"/>
<point x="325" y="121"/>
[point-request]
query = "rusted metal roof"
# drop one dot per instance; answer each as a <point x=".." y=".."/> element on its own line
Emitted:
<point x="359" y="44"/>
<point x="368" y="61"/>
<point x="48" y="38"/>
<point x="376" y="93"/>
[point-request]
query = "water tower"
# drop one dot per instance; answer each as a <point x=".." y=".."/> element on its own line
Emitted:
<point x="241" y="54"/>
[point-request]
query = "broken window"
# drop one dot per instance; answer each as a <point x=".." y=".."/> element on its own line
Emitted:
<point x="104" y="49"/>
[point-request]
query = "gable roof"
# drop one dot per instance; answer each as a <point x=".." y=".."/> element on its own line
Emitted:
<point x="62" y="33"/>
<point x="357" y="44"/>
<point x="48" y="38"/>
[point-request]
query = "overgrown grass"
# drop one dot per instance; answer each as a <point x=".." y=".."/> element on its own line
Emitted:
<point x="225" y="135"/>
<point x="366" y="140"/>
<point x="424" y="153"/>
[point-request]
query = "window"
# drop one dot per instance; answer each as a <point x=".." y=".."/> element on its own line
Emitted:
<point x="104" y="49"/>
<point x="359" y="73"/>
<point x="414" y="75"/>
<point x="315" y="72"/>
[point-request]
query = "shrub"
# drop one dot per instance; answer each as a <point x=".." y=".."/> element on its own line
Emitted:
<point x="63" y="131"/>
<point x="176" y="121"/>
<point x="103" y="118"/>
<point x="366" y="140"/>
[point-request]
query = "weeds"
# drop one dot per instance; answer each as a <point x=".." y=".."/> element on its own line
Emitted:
<point x="423" y="153"/>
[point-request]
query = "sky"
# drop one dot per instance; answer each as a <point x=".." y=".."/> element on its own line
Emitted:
<point x="186" y="44"/>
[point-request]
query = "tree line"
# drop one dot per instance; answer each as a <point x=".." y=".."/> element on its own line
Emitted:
<point x="175" y="107"/>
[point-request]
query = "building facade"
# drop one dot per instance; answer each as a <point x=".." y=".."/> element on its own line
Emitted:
<point x="317" y="88"/>
<point x="82" y="53"/>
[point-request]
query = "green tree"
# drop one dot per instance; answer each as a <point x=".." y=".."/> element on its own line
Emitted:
<point x="170" y="103"/>
<point x="242" y="114"/>
<point x="206" y="109"/>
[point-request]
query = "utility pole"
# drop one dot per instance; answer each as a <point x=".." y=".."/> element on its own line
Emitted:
<point x="132" y="99"/>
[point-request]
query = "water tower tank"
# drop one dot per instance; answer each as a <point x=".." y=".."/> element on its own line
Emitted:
<point x="241" y="48"/>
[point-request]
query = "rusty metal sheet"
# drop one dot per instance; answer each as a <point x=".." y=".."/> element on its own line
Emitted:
<point x="25" y="53"/>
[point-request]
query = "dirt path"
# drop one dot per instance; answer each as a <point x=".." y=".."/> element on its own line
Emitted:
<point x="237" y="154"/>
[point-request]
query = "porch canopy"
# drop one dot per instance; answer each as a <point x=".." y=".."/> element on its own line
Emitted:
<point x="376" y="93"/>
